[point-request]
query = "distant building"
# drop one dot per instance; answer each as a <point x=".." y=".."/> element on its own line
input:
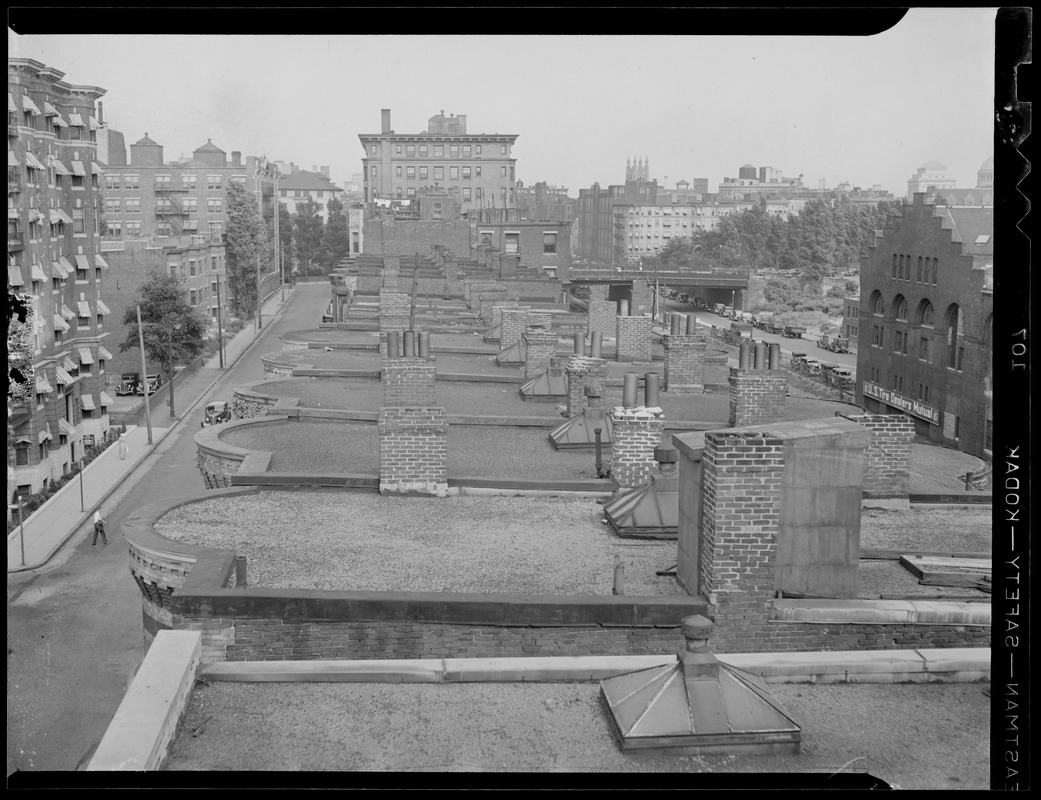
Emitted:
<point x="926" y="321"/>
<point x="637" y="170"/>
<point x="648" y="227"/>
<point x="545" y="201"/>
<point x="55" y="265"/>
<point x="851" y="320"/>
<point x="930" y="177"/>
<point x="981" y="195"/>
<point x="600" y="237"/>
<point x="750" y="185"/>
<point x="479" y="166"/>
<point x="297" y="186"/>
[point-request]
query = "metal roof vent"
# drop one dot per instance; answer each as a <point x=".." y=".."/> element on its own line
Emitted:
<point x="579" y="432"/>
<point x="698" y="703"/>
<point x="550" y="385"/>
<point x="653" y="509"/>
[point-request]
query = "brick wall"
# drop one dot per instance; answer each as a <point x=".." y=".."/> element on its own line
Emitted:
<point x="514" y="321"/>
<point x="472" y="287"/>
<point x="634" y="339"/>
<point x="391" y="273"/>
<point x="385" y="236"/>
<point x="395" y="309"/>
<point x="684" y="363"/>
<point x="413" y="444"/>
<point x="887" y="459"/>
<point x="757" y="396"/>
<point x="409" y="381"/>
<point x="582" y="370"/>
<point x="540" y="319"/>
<point x="635" y="432"/>
<point x="494" y="317"/>
<point x="600" y="318"/>
<point x="540" y="345"/>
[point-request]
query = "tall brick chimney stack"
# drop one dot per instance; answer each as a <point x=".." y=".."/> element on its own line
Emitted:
<point x="386" y="121"/>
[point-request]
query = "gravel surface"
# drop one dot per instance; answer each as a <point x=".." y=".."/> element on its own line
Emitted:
<point x="468" y="544"/>
<point x="948" y="529"/>
<point x="914" y="736"/>
<point x="364" y="542"/>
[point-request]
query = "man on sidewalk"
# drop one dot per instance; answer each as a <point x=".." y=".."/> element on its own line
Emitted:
<point x="99" y="527"/>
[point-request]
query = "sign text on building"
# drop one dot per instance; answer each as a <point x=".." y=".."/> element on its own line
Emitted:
<point x="890" y="398"/>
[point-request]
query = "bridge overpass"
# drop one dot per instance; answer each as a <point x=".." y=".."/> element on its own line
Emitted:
<point x="713" y="286"/>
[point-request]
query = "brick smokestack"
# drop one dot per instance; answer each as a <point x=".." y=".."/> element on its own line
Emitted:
<point x="386" y="120"/>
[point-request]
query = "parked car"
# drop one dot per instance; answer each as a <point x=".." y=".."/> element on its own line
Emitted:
<point x="128" y="382"/>
<point x="154" y="382"/>
<point x="739" y="331"/>
<point x="774" y="326"/>
<point x="682" y="297"/>
<point x="794" y="331"/>
<point x="836" y="344"/>
<point x="216" y="413"/>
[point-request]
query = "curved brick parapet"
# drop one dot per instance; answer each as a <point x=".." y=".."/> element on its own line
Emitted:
<point x="218" y="461"/>
<point x="276" y="366"/>
<point x="247" y="403"/>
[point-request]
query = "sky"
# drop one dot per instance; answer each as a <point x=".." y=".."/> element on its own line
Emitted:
<point x="867" y="110"/>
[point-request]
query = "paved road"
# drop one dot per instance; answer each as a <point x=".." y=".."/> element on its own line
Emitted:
<point x="74" y="631"/>
<point x="807" y="346"/>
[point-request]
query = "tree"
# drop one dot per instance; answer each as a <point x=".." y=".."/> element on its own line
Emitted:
<point x="246" y="238"/>
<point x="307" y="238"/>
<point x="285" y="236"/>
<point x="336" y="238"/>
<point x="679" y="250"/>
<point x="173" y="329"/>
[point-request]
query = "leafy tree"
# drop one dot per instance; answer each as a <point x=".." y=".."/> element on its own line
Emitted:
<point x="679" y="250"/>
<point x="173" y="329"/>
<point x="285" y="237"/>
<point x="336" y="237"/>
<point x="307" y="238"/>
<point x="246" y="238"/>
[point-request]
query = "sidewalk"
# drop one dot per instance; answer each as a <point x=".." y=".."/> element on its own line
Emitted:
<point x="53" y="524"/>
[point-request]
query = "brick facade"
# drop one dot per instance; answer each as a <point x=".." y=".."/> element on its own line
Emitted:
<point x="684" y="363"/>
<point x="540" y="345"/>
<point x="413" y="450"/>
<point x="757" y="396"/>
<point x="600" y="318"/>
<point x="582" y="371"/>
<point x="409" y="381"/>
<point x="633" y="336"/>
<point x="635" y="433"/>
<point x="514" y="320"/>
<point x="395" y="310"/>
<point x="887" y="460"/>
<point x="486" y="303"/>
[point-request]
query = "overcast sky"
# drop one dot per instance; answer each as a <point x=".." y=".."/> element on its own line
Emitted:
<point x="868" y="110"/>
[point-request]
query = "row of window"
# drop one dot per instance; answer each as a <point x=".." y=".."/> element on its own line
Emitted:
<point x="454" y="173"/>
<point x="902" y="344"/>
<point x="115" y="229"/>
<point x="468" y="195"/>
<point x="162" y="182"/>
<point x="925" y="271"/>
<point x="49" y="124"/>
<point x="55" y="180"/>
<point x="422" y="150"/>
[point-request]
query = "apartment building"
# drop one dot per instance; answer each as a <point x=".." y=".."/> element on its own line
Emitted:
<point x="297" y="186"/>
<point x="479" y="166"/>
<point x="926" y="321"/>
<point x="55" y="267"/>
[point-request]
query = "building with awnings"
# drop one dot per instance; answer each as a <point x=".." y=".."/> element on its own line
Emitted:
<point x="54" y="195"/>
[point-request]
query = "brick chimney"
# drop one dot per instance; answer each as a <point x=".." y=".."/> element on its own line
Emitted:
<point x="236" y="158"/>
<point x="386" y="120"/>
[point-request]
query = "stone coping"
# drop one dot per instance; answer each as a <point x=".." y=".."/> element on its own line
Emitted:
<point x="882" y="612"/>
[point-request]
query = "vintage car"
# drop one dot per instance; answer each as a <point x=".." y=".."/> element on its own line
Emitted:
<point x="128" y="382"/>
<point x="794" y="331"/>
<point x="216" y="412"/>
<point x="154" y="382"/>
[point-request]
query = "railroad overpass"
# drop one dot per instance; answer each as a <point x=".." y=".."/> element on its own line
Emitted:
<point x="618" y="283"/>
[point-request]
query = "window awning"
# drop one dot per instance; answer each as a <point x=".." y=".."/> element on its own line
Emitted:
<point x="66" y="362"/>
<point x="12" y="212"/>
<point x="29" y="105"/>
<point x="65" y="427"/>
<point x="60" y="168"/>
<point x="12" y="159"/>
<point x="105" y="399"/>
<point x="87" y="401"/>
<point x="61" y="123"/>
<point x="67" y="312"/>
<point x="33" y="161"/>
<point x="82" y="262"/>
<point x="11" y="107"/>
<point x="65" y="265"/>
<point x="48" y="109"/>
<point x="93" y="123"/>
<point x="84" y="309"/>
<point x="58" y="271"/>
<point x="38" y="273"/>
<point x="95" y="168"/>
<point x="34" y="215"/>
<point x="45" y="434"/>
<point x="76" y="120"/>
<point x="103" y="309"/>
<point x="191" y="225"/>
<point x="77" y="168"/>
<point x="14" y="275"/>
<point x="60" y="324"/>
<point x="58" y="215"/>
<point x="86" y="357"/>
<point x="102" y="352"/>
<point x="63" y="376"/>
<point x="42" y="386"/>
<point x="99" y="261"/>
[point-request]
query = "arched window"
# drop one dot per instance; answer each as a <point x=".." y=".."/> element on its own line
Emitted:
<point x="907" y="269"/>
<point x="894" y="265"/>
<point x="878" y="307"/>
<point x="900" y="268"/>
<point x="952" y="322"/>
<point x="925" y="313"/>
<point x="919" y="273"/>
<point x="936" y="265"/>
<point x="900" y="308"/>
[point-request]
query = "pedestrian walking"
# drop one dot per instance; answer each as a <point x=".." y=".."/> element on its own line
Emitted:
<point x="99" y="527"/>
<point x="124" y="448"/>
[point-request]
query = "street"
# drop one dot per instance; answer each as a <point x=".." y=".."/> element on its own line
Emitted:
<point x="74" y="630"/>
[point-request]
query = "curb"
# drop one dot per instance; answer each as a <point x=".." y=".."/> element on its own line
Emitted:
<point x="87" y="515"/>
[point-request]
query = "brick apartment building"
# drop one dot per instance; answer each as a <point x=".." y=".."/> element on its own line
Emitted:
<point x="926" y="316"/>
<point x="545" y="202"/>
<point x="479" y="166"/>
<point x="599" y="234"/>
<point x="54" y="263"/>
<point x="297" y="186"/>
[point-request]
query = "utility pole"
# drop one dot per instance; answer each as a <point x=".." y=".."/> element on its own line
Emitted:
<point x="278" y="242"/>
<point x="144" y="372"/>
